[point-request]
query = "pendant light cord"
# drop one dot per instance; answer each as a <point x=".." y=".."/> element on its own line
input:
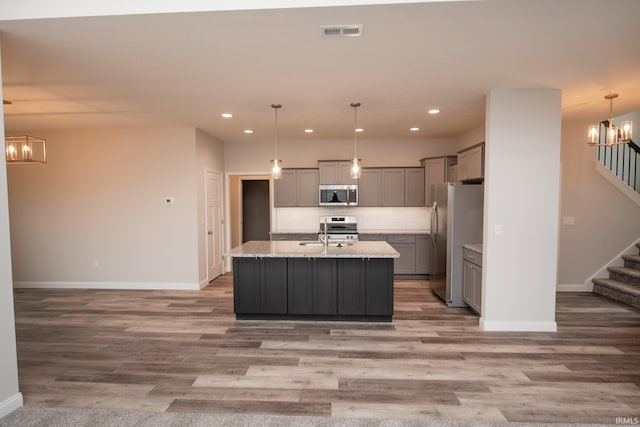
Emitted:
<point x="276" y="107"/>
<point x="355" y="106"/>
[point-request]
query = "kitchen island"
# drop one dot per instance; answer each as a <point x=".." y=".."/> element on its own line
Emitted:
<point x="307" y="280"/>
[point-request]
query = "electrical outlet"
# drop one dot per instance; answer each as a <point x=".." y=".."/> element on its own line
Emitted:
<point x="568" y="220"/>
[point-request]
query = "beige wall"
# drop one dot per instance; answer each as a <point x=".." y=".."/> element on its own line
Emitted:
<point x="254" y="157"/>
<point x="606" y="221"/>
<point x="95" y="216"/>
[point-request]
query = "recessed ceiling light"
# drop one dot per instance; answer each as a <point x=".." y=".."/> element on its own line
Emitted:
<point x="359" y="130"/>
<point x="414" y="129"/>
<point x="248" y="131"/>
<point x="227" y="115"/>
<point x="308" y="131"/>
<point x="434" y="111"/>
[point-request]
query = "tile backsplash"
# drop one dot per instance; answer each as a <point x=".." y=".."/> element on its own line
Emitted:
<point x="369" y="219"/>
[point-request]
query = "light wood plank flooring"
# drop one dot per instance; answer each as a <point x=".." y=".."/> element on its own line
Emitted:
<point x="184" y="351"/>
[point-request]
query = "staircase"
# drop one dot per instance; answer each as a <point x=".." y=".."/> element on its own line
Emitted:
<point x="623" y="283"/>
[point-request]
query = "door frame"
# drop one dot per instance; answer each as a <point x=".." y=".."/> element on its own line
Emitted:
<point x="221" y="226"/>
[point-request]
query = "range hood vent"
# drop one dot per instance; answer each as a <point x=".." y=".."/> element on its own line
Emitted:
<point x="354" y="30"/>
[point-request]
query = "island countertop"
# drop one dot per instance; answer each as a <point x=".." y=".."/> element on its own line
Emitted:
<point x="294" y="249"/>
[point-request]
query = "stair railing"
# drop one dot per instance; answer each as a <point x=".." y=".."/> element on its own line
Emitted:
<point x="623" y="161"/>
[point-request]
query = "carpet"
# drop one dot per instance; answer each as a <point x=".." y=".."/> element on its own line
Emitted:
<point x="58" y="417"/>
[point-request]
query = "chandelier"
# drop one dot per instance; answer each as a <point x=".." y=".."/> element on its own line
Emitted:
<point x="25" y="149"/>
<point x="613" y="135"/>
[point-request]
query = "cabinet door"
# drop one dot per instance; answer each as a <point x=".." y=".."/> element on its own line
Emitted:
<point x="246" y="285"/>
<point x="372" y="237"/>
<point x="273" y="285"/>
<point x="307" y="187"/>
<point x="369" y="188"/>
<point x="414" y="187"/>
<point x="434" y="173"/>
<point x="392" y="187"/>
<point x="285" y="189"/>
<point x="329" y="172"/>
<point x="477" y="288"/>
<point x="345" y="174"/>
<point x="351" y="287"/>
<point x="468" y="280"/>
<point x="300" y="286"/>
<point x="325" y="286"/>
<point x="471" y="163"/>
<point x="379" y="287"/>
<point x="406" y="264"/>
<point x="423" y="254"/>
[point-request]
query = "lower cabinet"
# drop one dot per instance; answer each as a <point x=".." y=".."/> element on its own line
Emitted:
<point x="323" y="287"/>
<point x="472" y="279"/>
<point x="414" y="249"/>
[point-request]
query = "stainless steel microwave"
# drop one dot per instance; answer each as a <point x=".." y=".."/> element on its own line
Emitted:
<point x="338" y="195"/>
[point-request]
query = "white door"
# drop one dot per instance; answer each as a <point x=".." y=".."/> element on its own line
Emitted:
<point x="214" y="224"/>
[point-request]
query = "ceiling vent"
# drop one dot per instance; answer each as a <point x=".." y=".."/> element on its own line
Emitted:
<point x="354" y="30"/>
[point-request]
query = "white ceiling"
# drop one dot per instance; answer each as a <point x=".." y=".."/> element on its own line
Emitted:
<point x="185" y="69"/>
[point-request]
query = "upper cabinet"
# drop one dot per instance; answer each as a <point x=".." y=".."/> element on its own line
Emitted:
<point x="296" y="188"/>
<point x="436" y="171"/>
<point x="335" y="172"/>
<point x="391" y="187"/>
<point x="471" y="163"/>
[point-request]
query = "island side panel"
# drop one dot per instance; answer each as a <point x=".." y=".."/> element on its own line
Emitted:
<point x="379" y="287"/>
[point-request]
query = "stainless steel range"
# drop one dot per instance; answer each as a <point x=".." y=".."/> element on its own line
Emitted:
<point x="339" y="228"/>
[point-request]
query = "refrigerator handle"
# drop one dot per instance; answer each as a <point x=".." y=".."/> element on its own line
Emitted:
<point x="434" y="219"/>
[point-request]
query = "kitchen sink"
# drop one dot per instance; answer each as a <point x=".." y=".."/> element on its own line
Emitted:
<point x="332" y="244"/>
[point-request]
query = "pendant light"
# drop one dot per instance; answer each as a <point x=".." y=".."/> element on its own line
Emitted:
<point x="614" y="136"/>
<point x="276" y="167"/>
<point x="25" y="149"/>
<point x="355" y="164"/>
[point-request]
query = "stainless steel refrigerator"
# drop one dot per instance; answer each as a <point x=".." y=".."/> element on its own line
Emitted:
<point x="456" y="219"/>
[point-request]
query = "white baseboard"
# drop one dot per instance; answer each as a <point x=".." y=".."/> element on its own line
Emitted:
<point x="518" y="326"/>
<point x="111" y="285"/>
<point x="574" y="287"/>
<point x="11" y="404"/>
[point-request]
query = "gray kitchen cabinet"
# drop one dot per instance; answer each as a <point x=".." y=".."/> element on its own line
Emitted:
<point x="368" y="237"/>
<point x="414" y="187"/>
<point x="423" y="254"/>
<point x="369" y="187"/>
<point x="436" y="171"/>
<point x="471" y="163"/>
<point x="335" y="172"/>
<point x="392" y="187"/>
<point x="405" y="244"/>
<point x="472" y="279"/>
<point x="296" y="188"/>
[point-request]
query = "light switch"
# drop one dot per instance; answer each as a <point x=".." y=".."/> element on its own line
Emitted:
<point x="168" y="201"/>
<point x="497" y="229"/>
<point x="568" y="220"/>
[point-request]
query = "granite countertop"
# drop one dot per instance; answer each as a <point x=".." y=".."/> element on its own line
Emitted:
<point x="293" y="249"/>
<point x="476" y="247"/>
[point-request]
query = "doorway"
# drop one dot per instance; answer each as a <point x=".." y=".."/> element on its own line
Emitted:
<point x="255" y="210"/>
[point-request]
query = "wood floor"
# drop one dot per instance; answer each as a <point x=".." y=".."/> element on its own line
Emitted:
<point x="184" y="351"/>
